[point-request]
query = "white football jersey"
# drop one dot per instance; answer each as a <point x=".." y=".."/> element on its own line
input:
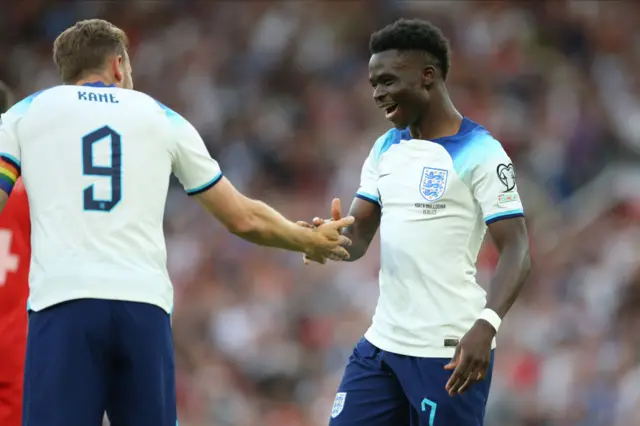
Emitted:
<point x="437" y="198"/>
<point x="96" y="162"/>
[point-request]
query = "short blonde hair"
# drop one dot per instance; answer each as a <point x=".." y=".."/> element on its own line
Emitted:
<point x="85" y="48"/>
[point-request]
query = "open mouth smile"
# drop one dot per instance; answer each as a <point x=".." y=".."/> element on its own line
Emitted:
<point x="389" y="109"/>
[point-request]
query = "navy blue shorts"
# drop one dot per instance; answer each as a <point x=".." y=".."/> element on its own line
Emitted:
<point x="382" y="388"/>
<point x="87" y="357"/>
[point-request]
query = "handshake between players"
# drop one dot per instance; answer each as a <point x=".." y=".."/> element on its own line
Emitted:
<point x="329" y="244"/>
<point x="338" y="222"/>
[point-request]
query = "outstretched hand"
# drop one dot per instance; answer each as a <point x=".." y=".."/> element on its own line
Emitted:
<point x="336" y="216"/>
<point x="328" y="241"/>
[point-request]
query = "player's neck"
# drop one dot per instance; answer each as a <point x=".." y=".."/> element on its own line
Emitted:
<point x="95" y="78"/>
<point x="442" y="120"/>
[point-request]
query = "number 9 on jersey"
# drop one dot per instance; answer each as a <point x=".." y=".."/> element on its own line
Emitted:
<point x="113" y="171"/>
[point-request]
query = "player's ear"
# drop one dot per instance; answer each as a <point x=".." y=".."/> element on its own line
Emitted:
<point x="428" y="76"/>
<point x="116" y="65"/>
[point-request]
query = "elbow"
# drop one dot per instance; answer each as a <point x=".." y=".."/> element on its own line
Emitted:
<point x="251" y="223"/>
<point x="518" y="257"/>
<point x="243" y="225"/>
<point x="245" y="221"/>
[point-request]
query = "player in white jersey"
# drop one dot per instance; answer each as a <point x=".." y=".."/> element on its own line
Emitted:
<point x="433" y="185"/>
<point x="96" y="159"/>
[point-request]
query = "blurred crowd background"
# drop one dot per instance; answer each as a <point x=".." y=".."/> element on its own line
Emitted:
<point x="279" y="92"/>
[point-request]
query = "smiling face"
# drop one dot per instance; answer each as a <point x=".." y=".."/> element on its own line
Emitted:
<point x="400" y="82"/>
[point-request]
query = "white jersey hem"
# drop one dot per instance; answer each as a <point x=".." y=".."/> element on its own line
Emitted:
<point x="418" y="352"/>
<point x="47" y="302"/>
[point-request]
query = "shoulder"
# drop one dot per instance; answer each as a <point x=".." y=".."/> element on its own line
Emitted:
<point x="23" y="106"/>
<point x="474" y="148"/>
<point x="153" y="109"/>
<point x="158" y="106"/>
<point x="484" y="146"/>
<point x="140" y="101"/>
<point x="387" y="140"/>
<point x="477" y="138"/>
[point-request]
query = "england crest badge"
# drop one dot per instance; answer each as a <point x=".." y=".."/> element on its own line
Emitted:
<point x="433" y="183"/>
<point x="338" y="404"/>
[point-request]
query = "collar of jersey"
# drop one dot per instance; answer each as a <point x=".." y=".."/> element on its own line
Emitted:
<point x="466" y="127"/>
<point x="98" y="84"/>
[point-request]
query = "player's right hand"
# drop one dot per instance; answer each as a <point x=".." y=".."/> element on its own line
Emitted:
<point x="338" y="254"/>
<point x="328" y="241"/>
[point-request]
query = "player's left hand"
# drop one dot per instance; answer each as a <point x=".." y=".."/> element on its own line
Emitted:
<point x="472" y="358"/>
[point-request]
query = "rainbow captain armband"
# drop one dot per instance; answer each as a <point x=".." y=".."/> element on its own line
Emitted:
<point x="9" y="172"/>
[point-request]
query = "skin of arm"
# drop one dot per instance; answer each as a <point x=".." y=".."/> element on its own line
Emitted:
<point x="511" y="240"/>
<point x="473" y="354"/>
<point x="367" y="220"/>
<point x="258" y="223"/>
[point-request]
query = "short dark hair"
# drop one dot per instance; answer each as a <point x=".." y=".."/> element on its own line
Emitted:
<point x="416" y="35"/>
<point x="84" y="48"/>
<point x="6" y="98"/>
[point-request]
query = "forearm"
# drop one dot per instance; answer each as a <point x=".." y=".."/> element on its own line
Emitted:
<point x="265" y="226"/>
<point x="511" y="272"/>
<point x="359" y="243"/>
<point x="361" y="233"/>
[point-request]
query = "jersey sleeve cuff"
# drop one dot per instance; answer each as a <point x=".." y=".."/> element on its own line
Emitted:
<point x="503" y="215"/>
<point x="208" y="185"/>
<point x="367" y="197"/>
